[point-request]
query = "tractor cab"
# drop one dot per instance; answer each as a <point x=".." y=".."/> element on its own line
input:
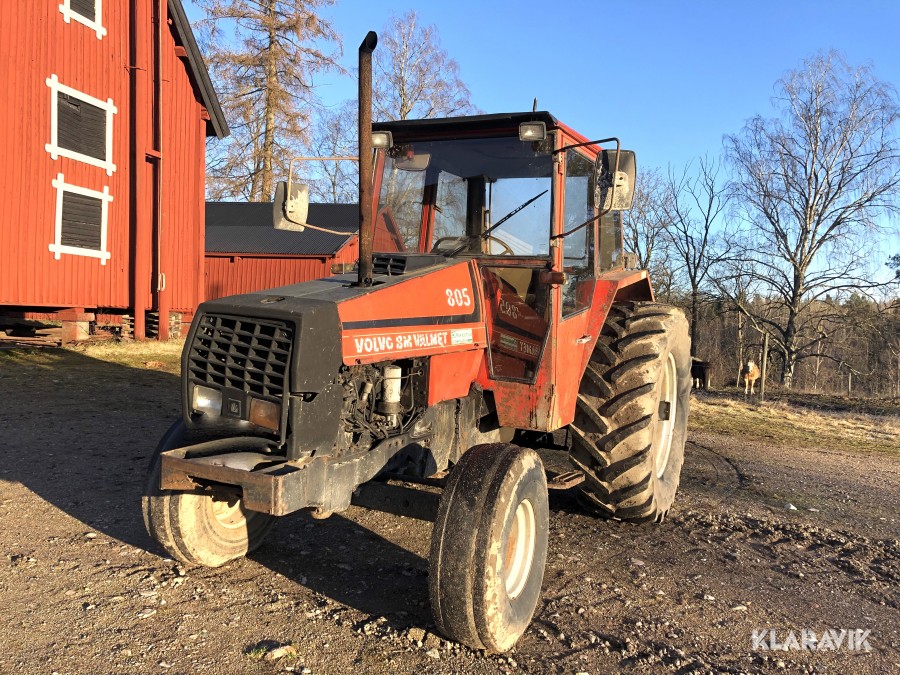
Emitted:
<point x="510" y="185"/>
<point x="536" y="205"/>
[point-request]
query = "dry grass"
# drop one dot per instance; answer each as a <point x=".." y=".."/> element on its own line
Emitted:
<point x="800" y="423"/>
<point x="37" y="358"/>
<point x="151" y="355"/>
<point x="89" y="367"/>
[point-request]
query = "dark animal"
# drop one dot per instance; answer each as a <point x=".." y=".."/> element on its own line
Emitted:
<point x="700" y="373"/>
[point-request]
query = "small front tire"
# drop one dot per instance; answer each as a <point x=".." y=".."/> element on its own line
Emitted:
<point x="489" y="547"/>
<point x="200" y="527"/>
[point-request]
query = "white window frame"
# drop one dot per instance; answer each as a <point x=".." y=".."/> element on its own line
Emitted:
<point x="55" y="151"/>
<point x="56" y="247"/>
<point x="96" y="25"/>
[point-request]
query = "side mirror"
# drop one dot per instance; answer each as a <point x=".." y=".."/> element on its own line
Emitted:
<point x="290" y="211"/>
<point x="631" y="261"/>
<point x="615" y="187"/>
<point x="411" y="162"/>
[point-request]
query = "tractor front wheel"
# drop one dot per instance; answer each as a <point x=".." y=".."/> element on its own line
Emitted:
<point x="631" y="415"/>
<point x="200" y="527"/>
<point x="489" y="546"/>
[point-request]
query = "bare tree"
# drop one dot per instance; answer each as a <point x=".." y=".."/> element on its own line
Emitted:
<point x="414" y="77"/>
<point x="894" y="264"/>
<point x="644" y="224"/>
<point x="263" y="55"/>
<point x="334" y="135"/>
<point x="644" y="228"/>
<point x="695" y="205"/>
<point x="812" y="182"/>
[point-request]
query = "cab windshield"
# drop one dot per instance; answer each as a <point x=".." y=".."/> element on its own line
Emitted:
<point x="486" y="196"/>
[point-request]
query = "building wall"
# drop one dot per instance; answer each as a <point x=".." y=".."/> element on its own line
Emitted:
<point x="184" y="175"/>
<point x="235" y="274"/>
<point x="36" y="43"/>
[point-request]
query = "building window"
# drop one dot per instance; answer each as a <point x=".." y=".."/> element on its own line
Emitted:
<point x="81" y="218"/>
<point x="81" y="126"/>
<point x="88" y="12"/>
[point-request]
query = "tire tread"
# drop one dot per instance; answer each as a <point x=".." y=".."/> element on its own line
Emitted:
<point x="611" y="433"/>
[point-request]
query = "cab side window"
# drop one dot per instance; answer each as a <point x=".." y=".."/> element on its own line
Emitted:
<point x="578" y="247"/>
<point x="611" y="256"/>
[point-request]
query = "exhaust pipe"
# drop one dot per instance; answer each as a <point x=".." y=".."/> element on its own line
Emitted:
<point x="366" y="215"/>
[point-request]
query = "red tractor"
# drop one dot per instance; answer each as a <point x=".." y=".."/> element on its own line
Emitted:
<point x="497" y="305"/>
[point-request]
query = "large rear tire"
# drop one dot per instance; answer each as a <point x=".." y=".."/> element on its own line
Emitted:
<point x="201" y="527"/>
<point x="489" y="547"/>
<point x="631" y="416"/>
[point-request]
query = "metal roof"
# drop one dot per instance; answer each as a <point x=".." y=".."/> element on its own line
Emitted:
<point x="246" y="227"/>
<point x="198" y="69"/>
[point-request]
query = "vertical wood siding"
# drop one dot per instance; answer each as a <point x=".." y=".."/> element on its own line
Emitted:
<point x="183" y="167"/>
<point x="232" y="275"/>
<point x="36" y="43"/>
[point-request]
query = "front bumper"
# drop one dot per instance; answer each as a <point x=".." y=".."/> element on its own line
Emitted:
<point x="270" y="483"/>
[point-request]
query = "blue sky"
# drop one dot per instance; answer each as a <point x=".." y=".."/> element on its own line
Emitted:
<point x="668" y="78"/>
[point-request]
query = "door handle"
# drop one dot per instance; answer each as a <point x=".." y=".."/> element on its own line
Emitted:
<point x="583" y="340"/>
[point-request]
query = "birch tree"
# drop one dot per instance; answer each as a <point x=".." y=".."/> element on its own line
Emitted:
<point x="263" y="55"/>
<point x="414" y="77"/>
<point x="814" y="182"/>
<point x="334" y="135"/>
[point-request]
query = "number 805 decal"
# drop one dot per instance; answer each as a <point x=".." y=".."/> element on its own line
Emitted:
<point x="458" y="297"/>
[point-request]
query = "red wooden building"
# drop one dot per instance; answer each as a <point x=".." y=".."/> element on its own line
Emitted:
<point x="109" y="106"/>
<point x="244" y="253"/>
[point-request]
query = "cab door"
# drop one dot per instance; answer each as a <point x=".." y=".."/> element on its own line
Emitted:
<point x="578" y="262"/>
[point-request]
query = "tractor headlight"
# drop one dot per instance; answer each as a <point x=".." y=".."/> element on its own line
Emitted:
<point x="382" y="139"/>
<point x="532" y="131"/>
<point x="265" y="413"/>
<point x="206" y="400"/>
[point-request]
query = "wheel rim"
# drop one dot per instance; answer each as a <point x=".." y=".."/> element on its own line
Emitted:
<point x="228" y="512"/>
<point x="519" y="549"/>
<point x="665" y="427"/>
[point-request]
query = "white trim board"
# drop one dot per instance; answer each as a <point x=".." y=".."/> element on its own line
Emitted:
<point x="56" y="247"/>
<point x="55" y="151"/>
<point x="96" y="25"/>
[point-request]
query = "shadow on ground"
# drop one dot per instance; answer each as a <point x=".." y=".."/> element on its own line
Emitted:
<point x="79" y="433"/>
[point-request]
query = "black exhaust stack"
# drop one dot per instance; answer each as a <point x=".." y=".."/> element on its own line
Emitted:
<point x="366" y="217"/>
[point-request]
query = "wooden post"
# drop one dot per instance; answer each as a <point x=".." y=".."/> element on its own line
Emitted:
<point x="762" y="375"/>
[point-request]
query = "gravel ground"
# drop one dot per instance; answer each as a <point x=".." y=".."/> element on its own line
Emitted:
<point x="84" y="590"/>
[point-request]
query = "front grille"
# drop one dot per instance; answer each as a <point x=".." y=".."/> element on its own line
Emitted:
<point x="388" y="264"/>
<point x="245" y="354"/>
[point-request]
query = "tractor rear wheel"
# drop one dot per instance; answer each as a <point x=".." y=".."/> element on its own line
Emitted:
<point x="489" y="546"/>
<point x="631" y="415"/>
<point x="200" y="527"/>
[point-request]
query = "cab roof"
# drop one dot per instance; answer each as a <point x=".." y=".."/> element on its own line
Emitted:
<point x="475" y="125"/>
<point x="444" y="126"/>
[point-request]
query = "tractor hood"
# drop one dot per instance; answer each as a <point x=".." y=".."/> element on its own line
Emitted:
<point x="319" y="314"/>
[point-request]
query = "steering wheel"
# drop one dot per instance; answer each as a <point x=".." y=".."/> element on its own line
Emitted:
<point x="456" y="241"/>
<point x="507" y="249"/>
<point x="462" y="241"/>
